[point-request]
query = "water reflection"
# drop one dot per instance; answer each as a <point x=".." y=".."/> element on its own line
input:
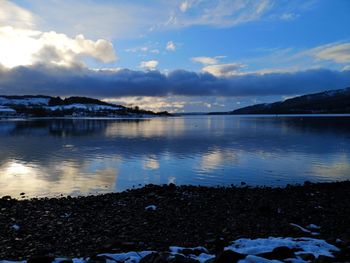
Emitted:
<point x="46" y="157"/>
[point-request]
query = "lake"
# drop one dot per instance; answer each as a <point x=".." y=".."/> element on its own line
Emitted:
<point x="49" y="157"/>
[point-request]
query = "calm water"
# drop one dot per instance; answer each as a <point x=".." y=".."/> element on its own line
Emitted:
<point x="49" y="157"/>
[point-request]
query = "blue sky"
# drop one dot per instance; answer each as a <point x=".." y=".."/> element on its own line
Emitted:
<point x="186" y="55"/>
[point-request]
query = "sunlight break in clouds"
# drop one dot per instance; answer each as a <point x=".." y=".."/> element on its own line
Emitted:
<point x="223" y="70"/>
<point x="28" y="47"/>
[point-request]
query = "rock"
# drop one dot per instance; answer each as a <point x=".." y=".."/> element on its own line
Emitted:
<point x="150" y="258"/>
<point x="324" y="259"/>
<point x="99" y="259"/>
<point x="167" y="257"/>
<point x="181" y="259"/>
<point x="229" y="256"/>
<point x="307" y="256"/>
<point x="128" y="245"/>
<point x="343" y="254"/>
<point x="193" y="251"/>
<point x="41" y="259"/>
<point x="66" y="260"/>
<point x="171" y="186"/>
<point x="278" y="253"/>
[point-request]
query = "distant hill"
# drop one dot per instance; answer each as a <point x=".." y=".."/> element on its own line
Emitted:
<point x="46" y="106"/>
<point x="333" y="101"/>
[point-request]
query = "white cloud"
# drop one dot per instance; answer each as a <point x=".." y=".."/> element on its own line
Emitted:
<point x="28" y="47"/>
<point x="288" y="16"/>
<point x="13" y="15"/>
<point x="154" y="51"/>
<point x="339" y="53"/>
<point x="347" y="67"/>
<point x="184" y="6"/>
<point x="224" y="13"/>
<point x="205" y="60"/>
<point x="223" y="70"/>
<point x="170" y="46"/>
<point x="120" y="19"/>
<point x="149" y="65"/>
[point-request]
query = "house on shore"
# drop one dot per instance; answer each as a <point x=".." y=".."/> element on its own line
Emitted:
<point x="7" y="112"/>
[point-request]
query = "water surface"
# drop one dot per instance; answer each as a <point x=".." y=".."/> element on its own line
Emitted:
<point x="84" y="156"/>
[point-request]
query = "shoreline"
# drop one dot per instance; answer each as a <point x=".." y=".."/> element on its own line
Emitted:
<point x="156" y="217"/>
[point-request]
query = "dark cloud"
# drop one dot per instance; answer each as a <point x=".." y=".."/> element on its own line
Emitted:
<point x="108" y="83"/>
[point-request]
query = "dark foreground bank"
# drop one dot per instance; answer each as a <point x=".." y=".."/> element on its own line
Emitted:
<point x="156" y="217"/>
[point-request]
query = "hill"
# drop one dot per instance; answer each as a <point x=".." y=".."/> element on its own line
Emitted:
<point x="46" y="106"/>
<point x="333" y="101"/>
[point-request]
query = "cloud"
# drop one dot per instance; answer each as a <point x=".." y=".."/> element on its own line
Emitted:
<point x="170" y="46"/>
<point x="205" y="60"/>
<point x="225" y="13"/>
<point x="184" y="6"/>
<point x="347" y="67"/>
<point x="288" y="16"/>
<point x="28" y="47"/>
<point x="212" y="66"/>
<point x="13" y="15"/>
<point x="337" y="52"/>
<point x="120" y="19"/>
<point x="149" y="65"/>
<point x="225" y="70"/>
<point x="51" y="80"/>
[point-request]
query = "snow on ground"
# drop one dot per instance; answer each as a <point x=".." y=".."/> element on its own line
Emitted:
<point x="90" y="107"/>
<point x="307" y="245"/>
<point x="4" y="109"/>
<point x="303" y="229"/>
<point x="24" y="101"/>
<point x="151" y="208"/>
<point x="249" y="247"/>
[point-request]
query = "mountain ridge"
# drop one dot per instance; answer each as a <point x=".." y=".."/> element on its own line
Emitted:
<point x="330" y="101"/>
<point x="49" y="106"/>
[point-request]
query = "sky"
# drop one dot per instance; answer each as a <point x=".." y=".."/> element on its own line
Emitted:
<point x="179" y="56"/>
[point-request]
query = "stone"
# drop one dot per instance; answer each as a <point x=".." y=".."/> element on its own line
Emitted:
<point x="307" y="256"/>
<point x="229" y="256"/>
<point x="278" y="253"/>
<point x="41" y="259"/>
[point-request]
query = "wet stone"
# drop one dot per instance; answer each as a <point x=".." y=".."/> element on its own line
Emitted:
<point x="229" y="256"/>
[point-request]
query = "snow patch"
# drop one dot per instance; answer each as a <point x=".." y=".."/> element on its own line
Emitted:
<point x="313" y="226"/>
<point x="250" y="247"/>
<point x="317" y="247"/>
<point x="129" y="257"/>
<point x="305" y="230"/>
<point x="15" y="227"/>
<point x="79" y="106"/>
<point x="24" y="101"/>
<point x="151" y="208"/>
<point x="256" y="259"/>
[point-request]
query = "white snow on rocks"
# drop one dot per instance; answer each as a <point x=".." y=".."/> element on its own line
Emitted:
<point x="250" y="247"/>
<point x="307" y="245"/>
<point x="305" y="230"/>
<point x="151" y="208"/>
<point x="79" y="106"/>
<point x="24" y="101"/>
<point x="15" y="227"/>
